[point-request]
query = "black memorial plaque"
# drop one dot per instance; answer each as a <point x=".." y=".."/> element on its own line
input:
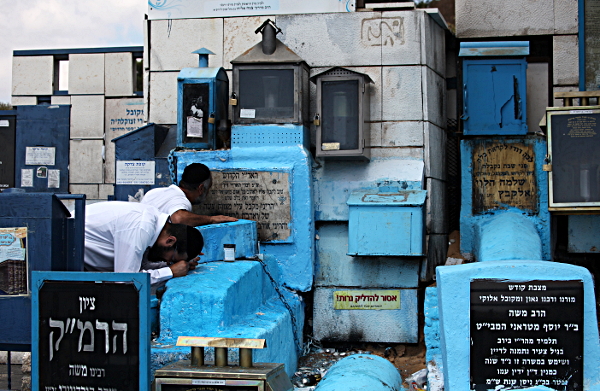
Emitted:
<point x="575" y="140"/>
<point x="526" y="333"/>
<point x="88" y="336"/>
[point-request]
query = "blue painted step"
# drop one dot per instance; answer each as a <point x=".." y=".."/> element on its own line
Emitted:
<point x="228" y="299"/>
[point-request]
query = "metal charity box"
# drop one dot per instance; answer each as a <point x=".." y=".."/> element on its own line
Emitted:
<point x="386" y="222"/>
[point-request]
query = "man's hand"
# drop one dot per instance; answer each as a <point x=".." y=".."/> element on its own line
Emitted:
<point x="180" y="268"/>
<point x="193" y="263"/>
<point x="222" y="219"/>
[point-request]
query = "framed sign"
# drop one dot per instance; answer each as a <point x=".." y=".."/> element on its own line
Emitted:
<point x="90" y="330"/>
<point x="526" y="334"/>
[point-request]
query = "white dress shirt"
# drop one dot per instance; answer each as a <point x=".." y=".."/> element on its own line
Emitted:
<point x="118" y="233"/>
<point x="167" y="199"/>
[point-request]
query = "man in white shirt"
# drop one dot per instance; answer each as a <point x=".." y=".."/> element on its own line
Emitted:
<point x="177" y="201"/>
<point x="118" y="234"/>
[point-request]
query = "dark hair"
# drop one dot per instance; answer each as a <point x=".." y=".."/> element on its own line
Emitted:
<point x="194" y="175"/>
<point x="189" y="239"/>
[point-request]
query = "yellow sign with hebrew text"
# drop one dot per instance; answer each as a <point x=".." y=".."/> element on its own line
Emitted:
<point x="367" y="299"/>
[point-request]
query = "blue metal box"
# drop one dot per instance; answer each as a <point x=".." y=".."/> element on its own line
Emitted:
<point x="494" y="88"/>
<point x="386" y="222"/>
<point x="54" y="242"/>
<point x="202" y="104"/>
<point x="150" y="143"/>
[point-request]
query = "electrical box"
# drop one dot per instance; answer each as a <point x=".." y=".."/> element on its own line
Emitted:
<point x="342" y="114"/>
<point x="202" y="108"/>
<point x="574" y="162"/>
<point x="494" y="88"/>
<point x="386" y="221"/>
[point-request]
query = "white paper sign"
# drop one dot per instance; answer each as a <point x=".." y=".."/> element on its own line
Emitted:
<point x="27" y="177"/>
<point x="40" y="156"/>
<point x="135" y="172"/>
<point x="3" y="122"/>
<point x="247" y="113"/>
<point x="53" y="179"/>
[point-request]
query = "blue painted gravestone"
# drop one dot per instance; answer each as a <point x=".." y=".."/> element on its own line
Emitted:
<point x="518" y="324"/>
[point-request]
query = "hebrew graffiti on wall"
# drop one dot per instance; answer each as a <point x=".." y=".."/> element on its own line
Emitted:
<point x="383" y="31"/>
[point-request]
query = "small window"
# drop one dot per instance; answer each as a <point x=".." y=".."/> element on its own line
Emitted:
<point x="267" y="93"/>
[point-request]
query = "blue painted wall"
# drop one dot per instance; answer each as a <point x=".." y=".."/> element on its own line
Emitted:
<point x="295" y="257"/>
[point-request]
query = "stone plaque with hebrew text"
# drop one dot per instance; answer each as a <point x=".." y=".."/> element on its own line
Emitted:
<point x="262" y="196"/>
<point x="504" y="176"/>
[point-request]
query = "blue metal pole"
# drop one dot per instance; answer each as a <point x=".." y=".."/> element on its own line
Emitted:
<point x="581" y="18"/>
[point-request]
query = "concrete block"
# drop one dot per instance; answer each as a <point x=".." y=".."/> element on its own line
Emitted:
<point x="566" y="60"/>
<point x="434" y="97"/>
<point x="433" y="45"/>
<point x="242" y="233"/>
<point x="121" y="117"/>
<point x="490" y="18"/>
<point x="90" y="191"/>
<point x="333" y="39"/>
<point x="23" y="101"/>
<point x="537" y="94"/>
<point x="397" y="153"/>
<point x="60" y="100"/>
<point x="335" y="180"/>
<point x="435" y="151"/>
<point x="33" y="75"/>
<point x="105" y="190"/>
<point x="87" y="116"/>
<point x="401" y="34"/>
<point x="238" y="36"/>
<point x="402" y="134"/>
<point x="436" y="220"/>
<point x="334" y="267"/>
<point x="566" y="17"/>
<point x="365" y="325"/>
<point x="402" y="94"/>
<point x="173" y="41"/>
<point x="118" y="74"/>
<point x="86" y="73"/>
<point x="85" y="161"/>
<point x="163" y="101"/>
<point x="376" y="130"/>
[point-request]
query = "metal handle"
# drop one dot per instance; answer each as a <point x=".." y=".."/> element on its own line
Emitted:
<point x="465" y="116"/>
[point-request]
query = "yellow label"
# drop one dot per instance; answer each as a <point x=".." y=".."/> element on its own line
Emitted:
<point x="367" y="300"/>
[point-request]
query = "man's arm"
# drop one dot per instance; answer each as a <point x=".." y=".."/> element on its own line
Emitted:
<point x="194" y="220"/>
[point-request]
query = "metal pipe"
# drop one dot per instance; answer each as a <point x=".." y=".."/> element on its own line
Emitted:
<point x="246" y="358"/>
<point x="8" y="368"/>
<point x="268" y="39"/>
<point x="581" y="33"/>
<point x="221" y="357"/>
<point x="197" y="356"/>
